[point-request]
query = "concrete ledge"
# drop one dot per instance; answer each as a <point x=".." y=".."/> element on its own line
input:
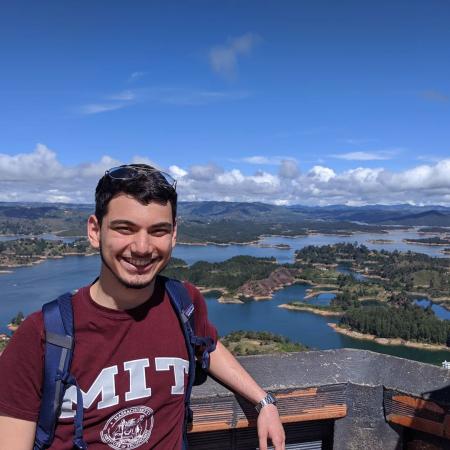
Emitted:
<point x="294" y="405"/>
<point x="370" y="398"/>
<point x="320" y="368"/>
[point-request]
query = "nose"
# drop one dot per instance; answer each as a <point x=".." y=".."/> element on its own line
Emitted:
<point x="142" y="244"/>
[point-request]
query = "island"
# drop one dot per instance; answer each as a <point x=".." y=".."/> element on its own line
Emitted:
<point x="29" y="251"/>
<point x="435" y="240"/>
<point x="242" y="343"/>
<point x="315" y="309"/>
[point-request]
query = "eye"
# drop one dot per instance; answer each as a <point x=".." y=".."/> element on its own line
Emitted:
<point x="123" y="229"/>
<point x="159" y="232"/>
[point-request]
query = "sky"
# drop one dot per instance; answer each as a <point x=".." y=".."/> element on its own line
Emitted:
<point x="288" y="102"/>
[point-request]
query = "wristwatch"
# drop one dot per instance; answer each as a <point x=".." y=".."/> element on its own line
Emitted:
<point x="269" y="399"/>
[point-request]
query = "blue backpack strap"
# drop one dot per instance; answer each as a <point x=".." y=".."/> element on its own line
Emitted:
<point x="59" y="342"/>
<point x="182" y="303"/>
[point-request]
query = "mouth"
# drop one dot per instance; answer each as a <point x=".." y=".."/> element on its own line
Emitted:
<point x="139" y="264"/>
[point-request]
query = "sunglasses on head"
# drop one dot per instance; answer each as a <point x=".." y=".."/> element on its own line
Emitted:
<point x="128" y="172"/>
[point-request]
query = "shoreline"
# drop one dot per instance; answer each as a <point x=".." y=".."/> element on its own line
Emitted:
<point x="40" y="259"/>
<point x="386" y="341"/>
<point x="258" y="241"/>
<point x="429" y="244"/>
<point x="320" y="312"/>
<point x="311" y="293"/>
<point x="224" y="295"/>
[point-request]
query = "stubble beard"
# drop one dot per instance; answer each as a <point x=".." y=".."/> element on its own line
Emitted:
<point x="125" y="283"/>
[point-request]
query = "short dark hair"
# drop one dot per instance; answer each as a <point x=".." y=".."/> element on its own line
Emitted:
<point x="148" y="185"/>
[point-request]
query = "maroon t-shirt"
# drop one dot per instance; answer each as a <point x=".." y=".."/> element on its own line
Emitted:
<point x="131" y="365"/>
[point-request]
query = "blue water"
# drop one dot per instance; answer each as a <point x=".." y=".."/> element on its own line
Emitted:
<point x="345" y="269"/>
<point x="397" y="236"/>
<point x="27" y="288"/>
<point x="47" y="236"/>
<point x="440" y="312"/>
<point x="323" y="299"/>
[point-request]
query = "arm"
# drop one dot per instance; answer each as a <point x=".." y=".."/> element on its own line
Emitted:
<point x="16" y="434"/>
<point x="21" y="376"/>
<point x="225" y="367"/>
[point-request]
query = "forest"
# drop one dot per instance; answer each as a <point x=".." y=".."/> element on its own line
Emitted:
<point x="230" y="274"/>
<point x="27" y="251"/>
<point x="242" y="343"/>
<point x="408" y="322"/>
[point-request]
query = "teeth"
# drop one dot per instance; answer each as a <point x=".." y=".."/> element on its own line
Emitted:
<point x="138" y="262"/>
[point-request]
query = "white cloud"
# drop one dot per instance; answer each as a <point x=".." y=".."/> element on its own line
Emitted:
<point x="166" y="95"/>
<point x="40" y="176"/>
<point x="204" y="173"/>
<point x="257" y="160"/>
<point x="177" y="172"/>
<point x="424" y="177"/>
<point x="96" y="169"/>
<point x="264" y="178"/>
<point x="96" y="108"/>
<point x="38" y="165"/>
<point x="365" y="156"/>
<point x="224" y="58"/>
<point x="322" y="174"/>
<point x="232" y="178"/>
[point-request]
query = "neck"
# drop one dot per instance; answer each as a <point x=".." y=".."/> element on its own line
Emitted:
<point x="110" y="293"/>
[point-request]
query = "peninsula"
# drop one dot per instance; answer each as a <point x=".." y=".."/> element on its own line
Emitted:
<point x="29" y="251"/>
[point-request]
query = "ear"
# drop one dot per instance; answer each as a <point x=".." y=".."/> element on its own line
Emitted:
<point x="174" y="234"/>
<point x="93" y="231"/>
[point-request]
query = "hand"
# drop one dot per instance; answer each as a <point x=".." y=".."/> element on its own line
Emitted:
<point x="269" y="426"/>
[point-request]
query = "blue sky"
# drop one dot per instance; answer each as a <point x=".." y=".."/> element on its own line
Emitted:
<point x="313" y="102"/>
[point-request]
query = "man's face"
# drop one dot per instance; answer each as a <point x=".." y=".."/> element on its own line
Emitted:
<point x="135" y="240"/>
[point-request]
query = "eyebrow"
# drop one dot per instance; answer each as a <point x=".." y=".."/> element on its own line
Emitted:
<point x="130" y="223"/>
<point x="121" y="222"/>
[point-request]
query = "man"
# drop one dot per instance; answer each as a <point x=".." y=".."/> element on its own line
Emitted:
<point x="130" y="357"/>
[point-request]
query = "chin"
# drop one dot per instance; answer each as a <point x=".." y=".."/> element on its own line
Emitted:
<point x="128" y="280"/>
<point x="135" y="285"/>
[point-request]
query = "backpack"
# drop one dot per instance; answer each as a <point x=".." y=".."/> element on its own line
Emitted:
<point x="59" y="346"/>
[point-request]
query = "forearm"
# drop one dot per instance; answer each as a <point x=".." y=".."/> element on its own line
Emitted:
<point x="226" y="368"/>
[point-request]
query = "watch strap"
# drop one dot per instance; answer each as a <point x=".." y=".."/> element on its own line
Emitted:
<point x="269" y="399"/>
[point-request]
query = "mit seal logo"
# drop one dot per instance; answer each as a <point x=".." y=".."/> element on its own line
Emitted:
<point x="129" y="428"/>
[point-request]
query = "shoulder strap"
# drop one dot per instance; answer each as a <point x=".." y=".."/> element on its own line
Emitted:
<point x="182" y="303"/>
<point x="59" y="341"/>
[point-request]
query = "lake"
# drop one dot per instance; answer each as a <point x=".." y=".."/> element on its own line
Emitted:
<point x="27" y="288"/>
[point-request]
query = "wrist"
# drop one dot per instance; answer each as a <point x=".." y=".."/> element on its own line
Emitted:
<point x="269" y="399"/>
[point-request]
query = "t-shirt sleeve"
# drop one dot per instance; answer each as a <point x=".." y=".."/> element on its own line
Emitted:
<point x="21" y="368"/>
<point x="203" y="327"/>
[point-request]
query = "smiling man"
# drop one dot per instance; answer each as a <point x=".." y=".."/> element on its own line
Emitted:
<point x="130" y="360"/>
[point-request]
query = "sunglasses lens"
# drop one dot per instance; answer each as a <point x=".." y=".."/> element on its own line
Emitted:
<point x="122" y="173"/>
<point x="167" y="178"/>
<point x="129" y="172"/>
